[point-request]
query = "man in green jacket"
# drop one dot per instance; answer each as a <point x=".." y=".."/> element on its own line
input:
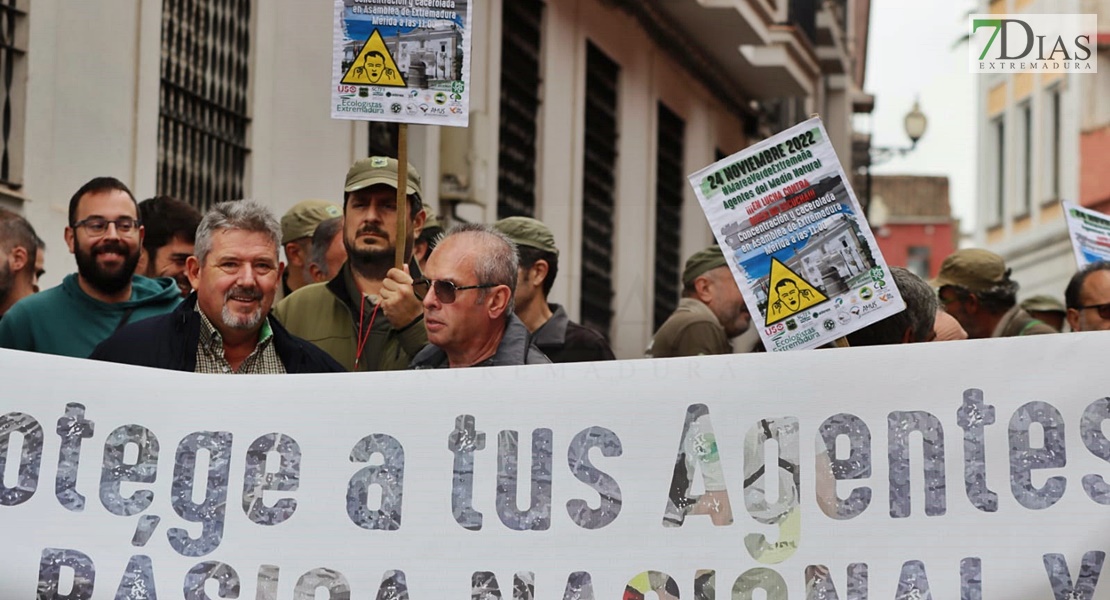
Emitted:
<point x="106" y="236"/>
<point x="368" y="317"/>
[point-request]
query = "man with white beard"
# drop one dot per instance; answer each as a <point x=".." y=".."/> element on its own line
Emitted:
<point x="224" y="326"/>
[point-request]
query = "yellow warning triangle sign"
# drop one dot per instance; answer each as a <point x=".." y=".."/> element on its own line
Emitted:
<point x="789" y="294"/>
<point x="374" y="65"/>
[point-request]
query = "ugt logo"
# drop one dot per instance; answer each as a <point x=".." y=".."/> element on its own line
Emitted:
<point x="1023" y="43"/>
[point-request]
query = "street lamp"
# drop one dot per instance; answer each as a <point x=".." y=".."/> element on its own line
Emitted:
<point x="915" y="124"/>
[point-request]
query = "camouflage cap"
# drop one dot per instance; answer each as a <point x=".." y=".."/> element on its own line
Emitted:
<point x="1043" y="303"/>
<point x="301" y="220"/>
<point x="379" y="169"/>
<point x="701" y="262"/>
<point x="973" y="269"/>
<point x="525" y="231"/>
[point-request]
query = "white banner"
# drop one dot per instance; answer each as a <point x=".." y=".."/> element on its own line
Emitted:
<point x="1090" y="234"/>
<point x="957" y="470"/>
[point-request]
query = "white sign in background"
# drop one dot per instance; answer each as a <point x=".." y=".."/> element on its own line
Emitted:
<point x="402" y="62"/>
<point x="1090" y="234"/>
<point x="784" y="213"/>
<point x="1048" y="506"/>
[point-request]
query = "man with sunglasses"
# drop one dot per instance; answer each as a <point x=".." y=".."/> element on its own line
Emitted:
<point x="468" y="306"/>
<point x="1087" y="298"/>
<point x="368" y="317"/>
<point x="974" y="286"/>
<point x="106" y="236"/>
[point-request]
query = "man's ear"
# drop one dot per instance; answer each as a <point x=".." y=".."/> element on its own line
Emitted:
<point x="70" y="235"/>
<point x="1073" y="319"/>
<point x="292" y="249"/>
<point x="498" y="301"/>
<point x="317" y="273"/>
<point x="538" y="272"/>
<point x="192" y="271"/>
<point x="418" y="222"/>
<point x="702" y="289"/>
<point x="907" y="335"/>
<point x="17" y="259"/>
<point x="972" y="304"/>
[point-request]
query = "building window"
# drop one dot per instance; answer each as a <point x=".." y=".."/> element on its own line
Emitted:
<point x="1025" y="143"/>
<point x="599" y="166"/>
<point x="13" y="68"/>
<point x="1052" y="148"/>
<point x="917" y="261"/>
<point x="669" y="184"/>
<point x="203" y="117"/>
<point x="998" y="197"/>
<point x="521" y="22"/>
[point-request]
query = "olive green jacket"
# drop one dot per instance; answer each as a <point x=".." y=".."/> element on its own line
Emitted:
<point x="328" y="315"/>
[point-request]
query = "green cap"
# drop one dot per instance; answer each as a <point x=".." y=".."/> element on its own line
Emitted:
<point x="529" y="232"/>
<point x="301" y="220"/>
<point x="702" y="262"/>
<point x="379" y="169"/>
<point x="973" y="269"/>
<point x="1043" y="303"/>
<point x="432" y="221"/>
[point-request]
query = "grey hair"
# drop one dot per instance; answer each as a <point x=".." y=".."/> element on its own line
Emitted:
<point x="498" y="261"/>
<point x="15" y="230"/>
<point x="244" y="215"/>
<point x="920" y="314"/>
<point x="321" y="241"/>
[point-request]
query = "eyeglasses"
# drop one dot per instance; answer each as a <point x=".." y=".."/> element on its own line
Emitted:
<point x="445" y="290"/>
<point x="1103" y="309"/>
<point x="99" y="225"/>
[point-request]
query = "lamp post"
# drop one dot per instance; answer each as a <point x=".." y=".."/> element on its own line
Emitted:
<point x="915" y="123"/>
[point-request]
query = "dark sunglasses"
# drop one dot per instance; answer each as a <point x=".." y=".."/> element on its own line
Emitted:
<point x="445" y="290"/>
<point x="1103" y="310"/>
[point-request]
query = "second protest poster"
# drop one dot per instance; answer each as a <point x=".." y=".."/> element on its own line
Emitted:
<point x="796" y="240"/>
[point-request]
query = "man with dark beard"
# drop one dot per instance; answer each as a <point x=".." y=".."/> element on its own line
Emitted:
<point x="106" y="236"/>
<point x="225" y="325"/>
<point x="368" y="317"/>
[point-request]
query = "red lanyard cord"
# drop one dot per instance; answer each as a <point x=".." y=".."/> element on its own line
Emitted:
<point x="363" y="338"/>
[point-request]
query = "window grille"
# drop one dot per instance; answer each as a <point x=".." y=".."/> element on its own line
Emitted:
<point x="669" y="184"/>
<point x="13" y="69"/>
<point x="598" y="190"/>
<point x="520" y="100"/>
<point x="203" y="118"/>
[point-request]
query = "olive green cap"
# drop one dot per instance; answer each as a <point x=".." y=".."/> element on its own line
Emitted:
<point x="701" y="262"/>
<point x="973" y="269"/>
<point x="525" y="231"/>
<point x="379" y="169"/>
<point x="301" y="220"/>
<point x="432" y="221"/>
<point x="1043" y="303"/>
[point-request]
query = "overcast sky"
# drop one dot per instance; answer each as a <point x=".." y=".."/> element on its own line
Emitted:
<point x="911" y="55"/>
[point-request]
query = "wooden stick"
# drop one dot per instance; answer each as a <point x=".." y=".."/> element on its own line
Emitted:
<point x="841" y="342"/>
<point x="402" y="197"/>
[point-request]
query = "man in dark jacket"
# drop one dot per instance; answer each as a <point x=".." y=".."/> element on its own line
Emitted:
<point x="561" y="339"/>
<point x="225" y="325"/>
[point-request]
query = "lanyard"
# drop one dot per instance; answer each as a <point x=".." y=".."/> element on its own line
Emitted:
<point x="363" y="338"/>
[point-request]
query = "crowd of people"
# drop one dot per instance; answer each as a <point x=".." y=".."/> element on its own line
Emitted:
<point x="158" y="284"/>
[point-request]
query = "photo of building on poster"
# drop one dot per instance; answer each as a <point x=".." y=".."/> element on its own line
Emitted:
<point x="805" y="259"/>
<point x="402" y="62"/>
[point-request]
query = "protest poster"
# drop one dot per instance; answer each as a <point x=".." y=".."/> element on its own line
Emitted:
<point x="698" y="478"/>
<point x="1090" y="234"/>
<point x="793" y="233"/>
<point x="402" y="61"/>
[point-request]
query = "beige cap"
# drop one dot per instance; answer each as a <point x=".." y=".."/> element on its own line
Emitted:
<point x="973" y="269"/>
<point x="701" y="262"/>
<point x="525" y="231"/>
<point x="301" y="220"/>
<point x="379" y="169"/>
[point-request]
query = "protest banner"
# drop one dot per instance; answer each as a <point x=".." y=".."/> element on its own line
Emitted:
<point x="1090" y="234"/>
<point x="402" y="62"/>
<point x="699" y="478"/>
<point x="792" y="232"/>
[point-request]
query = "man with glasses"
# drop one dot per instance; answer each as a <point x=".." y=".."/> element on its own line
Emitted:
<point x="468" y="305"/>
<point x="974" y="286"/>
<point x="1088" y="298"/>
<point x="367" y="317"/>
<point x="225" y="325"/>
<point x="106" y="236"/>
